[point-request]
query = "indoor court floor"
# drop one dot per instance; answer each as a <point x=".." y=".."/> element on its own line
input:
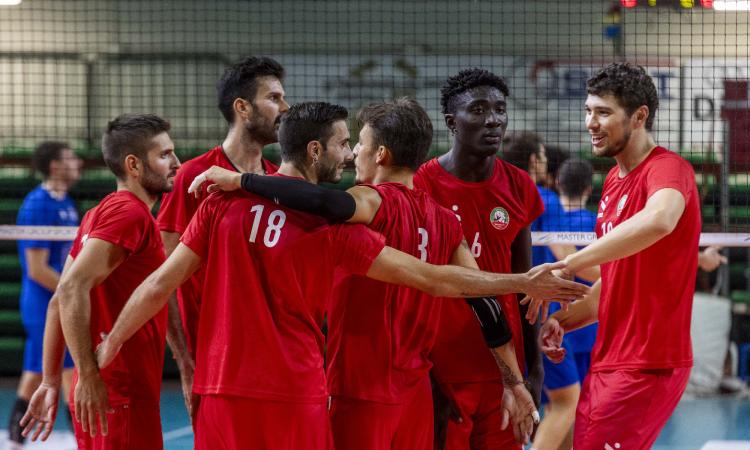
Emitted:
<point x="714" y="423"/>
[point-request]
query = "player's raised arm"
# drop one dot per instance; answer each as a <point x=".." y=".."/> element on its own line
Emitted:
<point x="657" y="219"/>
<point x="393" y="266"/>
<point x="147" y="300"/>
<point x="356" y="205"/>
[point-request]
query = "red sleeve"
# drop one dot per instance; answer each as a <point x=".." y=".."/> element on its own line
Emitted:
<point x="670" y="171"/>
<point x="531" y="198"/>
<point x="456" y="233"/>
<point x="355" y="247"/>
<point x="123" y="223"/>
<point x="197" y="234"/>
<point x="177" y="207"/>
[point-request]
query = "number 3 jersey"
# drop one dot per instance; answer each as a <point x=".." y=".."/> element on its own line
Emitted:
<point x="492" y="213"/>
<point x="269" y="275"/>
<point x="380" y="334"/>
<point x="646" y="299"/>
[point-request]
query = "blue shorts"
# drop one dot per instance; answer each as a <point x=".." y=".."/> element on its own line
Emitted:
<point x="557" y="376"/>
<point x="32" y="353"/>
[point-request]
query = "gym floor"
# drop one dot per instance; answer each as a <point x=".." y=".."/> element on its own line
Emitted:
<point x="713" y="423"/>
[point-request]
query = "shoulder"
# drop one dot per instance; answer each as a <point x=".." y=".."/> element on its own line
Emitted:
<point x="193" y="167"/>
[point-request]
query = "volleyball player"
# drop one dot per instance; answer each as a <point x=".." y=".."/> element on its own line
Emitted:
<point x="495" y="202"/>
<point x="251" y="99"/>
<point x="116" y="247"/>
<point x="41" y="264"/>
<point x="648" y="226"/>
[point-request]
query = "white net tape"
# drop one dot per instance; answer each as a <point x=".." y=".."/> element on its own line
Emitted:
<point x="13" y="232"/>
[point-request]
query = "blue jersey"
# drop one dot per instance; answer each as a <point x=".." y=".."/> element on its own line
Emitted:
<point x="40" y="208"/>
<point x="550" y="220"/>
<point x="577" y="220"/>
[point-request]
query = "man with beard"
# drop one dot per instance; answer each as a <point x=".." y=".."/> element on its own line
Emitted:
<point x="117" y="246"/>
<point x="259" y="369"/>
<point x="495" y="202"/>
<point x="648" y="227"/>
<point x="251" y="99"/>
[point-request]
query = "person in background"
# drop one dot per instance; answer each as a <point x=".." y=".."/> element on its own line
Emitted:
<point x="41" y="264"/>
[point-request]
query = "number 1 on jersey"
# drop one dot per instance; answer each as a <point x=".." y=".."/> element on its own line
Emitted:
<point x="276" y="221"/>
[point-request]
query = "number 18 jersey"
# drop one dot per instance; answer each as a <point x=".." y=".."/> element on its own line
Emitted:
<point x="269" y="275"/>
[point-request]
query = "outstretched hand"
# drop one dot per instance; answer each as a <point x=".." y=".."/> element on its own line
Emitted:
<point x="551" y="339"/>
<point x="42" y="412"/>
<point x="547" y="283"/>
<point x="220" y="178"/>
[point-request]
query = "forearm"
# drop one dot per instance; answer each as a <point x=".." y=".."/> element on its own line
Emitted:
<point x="54" y="345"/>
<point x="454" y="281"/>
<point x="146" y="301"/>
<point x="46" y="277"/>
<point x="505" y="357"/>
<point x="75" y="319"/>
<point x="175" y="332"/>
<point x="630" y="237"/>
<point x="581" y="313"/>
<point x="332" y="204"/>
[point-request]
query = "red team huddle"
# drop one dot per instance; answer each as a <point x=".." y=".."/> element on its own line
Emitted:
<point x="257" y="273"/>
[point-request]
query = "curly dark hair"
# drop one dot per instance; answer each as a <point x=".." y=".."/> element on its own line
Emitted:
<point x="240" y="80"/>
<point x="466" y="80"/>
<point x="401" y="125"/>
<point x="630" y="85"/>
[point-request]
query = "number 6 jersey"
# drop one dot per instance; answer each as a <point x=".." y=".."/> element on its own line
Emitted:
<point x="491" y="212"/>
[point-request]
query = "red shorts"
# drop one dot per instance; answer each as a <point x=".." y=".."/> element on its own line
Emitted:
<point x="366" y="425"/>
<point x="626" y="408"/>
<point x="480" y="407"/>
<point x="229" y="422"/>
<point x="130" y="427"/>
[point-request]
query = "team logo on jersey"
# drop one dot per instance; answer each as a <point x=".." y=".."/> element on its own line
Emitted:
<point x="84" y="238"/>
<point x="621" y="204"/>
<point x="499" y="218"/>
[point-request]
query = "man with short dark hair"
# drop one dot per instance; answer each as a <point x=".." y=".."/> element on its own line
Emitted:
<point x="648" y="226"/>
<point x="41" y="264"/>
<point x="116" y="247"/>
<point x="251" y="99"/>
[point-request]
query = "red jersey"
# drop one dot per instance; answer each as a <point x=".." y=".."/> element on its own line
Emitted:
<point x="269" y="275"/>
<point x="124" y="220"/>
<point x="492" y="213"/>
<point x="176" y="210"/>
<point x="395" y="324"/>
<point x="646" y="300"/>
